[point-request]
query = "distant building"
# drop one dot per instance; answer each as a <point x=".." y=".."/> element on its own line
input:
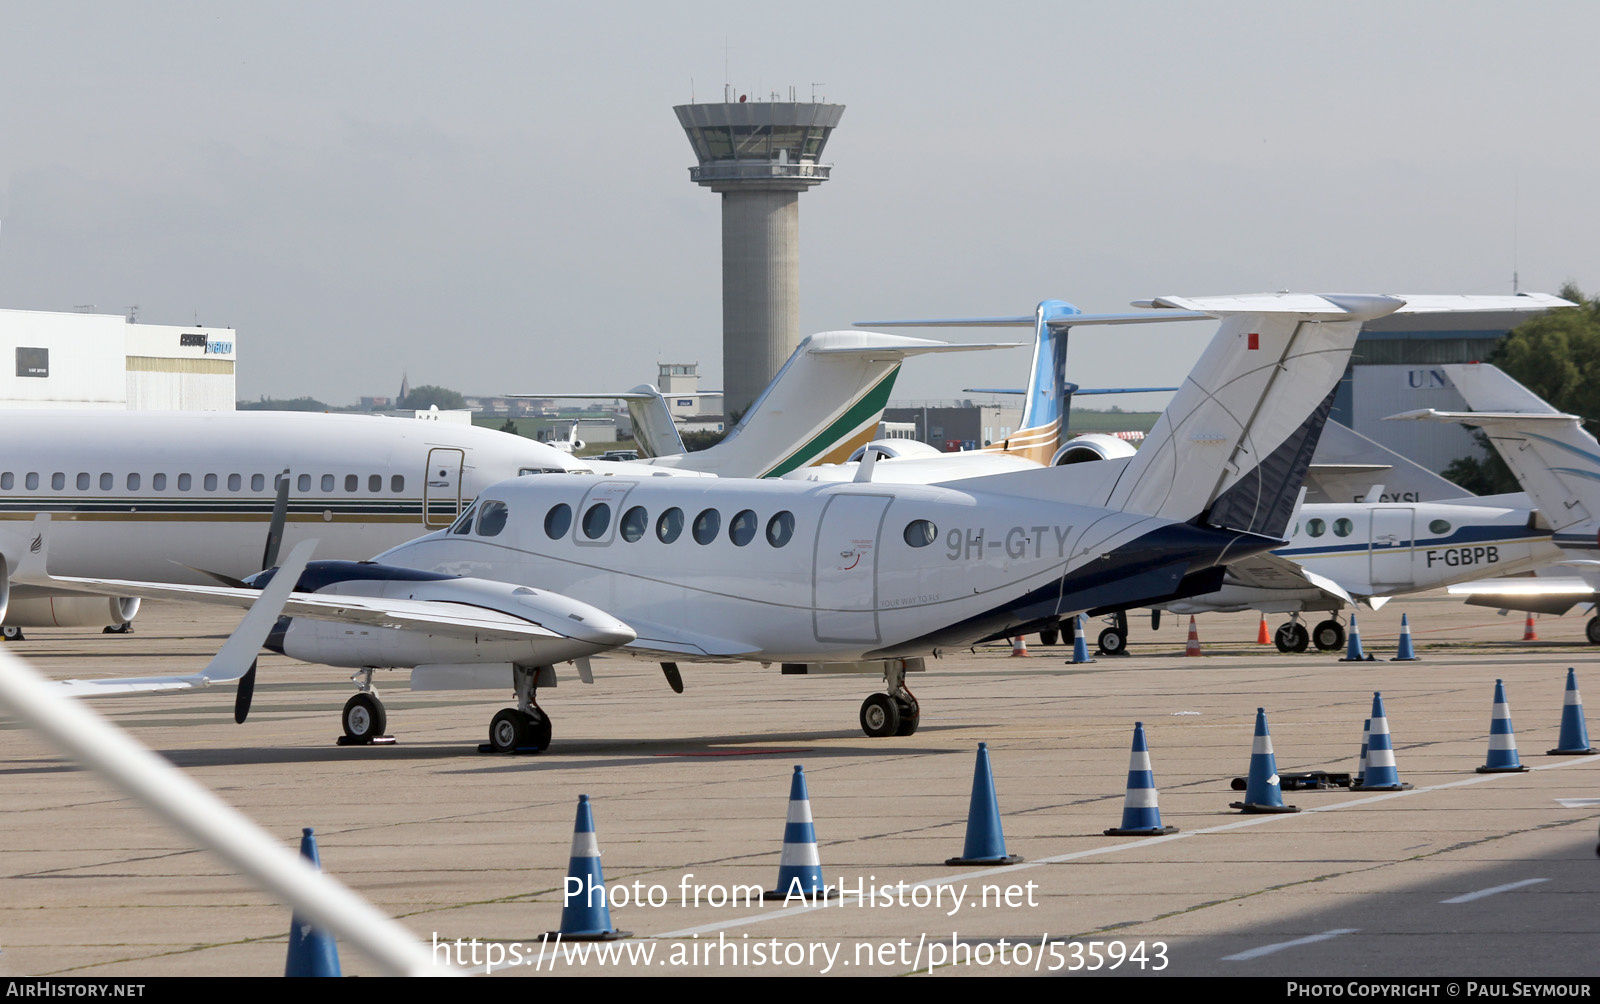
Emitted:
<point x="953" y="426"/>
<point x="84" y="360"/>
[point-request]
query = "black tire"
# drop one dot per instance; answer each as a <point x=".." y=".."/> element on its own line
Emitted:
<point x="508" y="732"/>
<point x="1292" y="637"/>
<point x="1328" y="636"/>
<point x="910" y="716"/>
<point x="1113" y="642"/>
<point x="364" y="718"/>
<point x="538" y="729"/>
<point x="1049" y="636"/>
<point x="1592" y="630"/>
<point x="10" y="633"/>
<point x="880" y="716"/>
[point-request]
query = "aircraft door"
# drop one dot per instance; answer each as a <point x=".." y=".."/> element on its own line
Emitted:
<point x="441" y="492"/>
<point x="844" y="584"/>
<point x="1391" y="545"/>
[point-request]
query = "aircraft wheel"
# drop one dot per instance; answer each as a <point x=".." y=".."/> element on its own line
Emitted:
<point x="880" y="716"/>
<point x="508" y="732"/>
<point x="538" y="729"/>
<point x="1592" y="630"/>
<point x="1328" y="635"/>
<point x="364" y="718"/>
<point x="1292" y="637"/>
<point x="1113" y="642"/>
<point x="1049" y="636"/>
<point x="910" y="716"/>
<point x="10" y="633"/>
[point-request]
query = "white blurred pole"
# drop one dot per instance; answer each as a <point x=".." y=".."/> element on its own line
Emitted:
<point x="210" y="822"/>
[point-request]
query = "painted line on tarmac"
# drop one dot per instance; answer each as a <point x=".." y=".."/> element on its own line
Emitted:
<point x="793" y="911"/>
<point x="1256" y="953"/>
<point x="1481" y="893"/>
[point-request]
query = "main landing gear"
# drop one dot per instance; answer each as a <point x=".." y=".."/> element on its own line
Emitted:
<point x="1114" y="639"/>
<point x="10" y="633"/>
<point x="364" y="717"/>
<point x="1592" y="630"/>
<point x="1293" y="636"/>
<point x="1328" y="636"/>
<point x="524" y="728"/>
<point x="894" y="713"/>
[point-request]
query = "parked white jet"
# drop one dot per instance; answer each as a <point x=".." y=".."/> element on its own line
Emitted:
<point x="1557" y="462"/>
<point x="860" y="576"/>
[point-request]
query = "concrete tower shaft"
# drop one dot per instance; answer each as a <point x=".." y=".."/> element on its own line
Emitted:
<point x="759" y="156"/>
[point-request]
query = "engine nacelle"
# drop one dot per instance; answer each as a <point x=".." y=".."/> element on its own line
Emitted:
<point x="896" y="449"/>
<point x="577" y="629"/>
<point x="1092" y="446"/>
<point x="70" y="611"/>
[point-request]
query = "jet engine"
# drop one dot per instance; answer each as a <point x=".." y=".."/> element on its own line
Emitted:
<point x="67" y="611"/>
<point x="1092" y="446"/>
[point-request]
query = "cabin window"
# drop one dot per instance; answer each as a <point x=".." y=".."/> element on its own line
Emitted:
<point x="83" y="481"/>
<point x="352" y="482"/>
<point x="305" y="482"/>
<point x="669" y="525"/>
<point x="596" y="521"/>
<point x="258" y="482"/>
<point x="633" y="523"/>
<point x="211" y="482"/>
<point x="706" y="526"/>
<point x="492" y="518"/>
<point x="107" y="482"/>
<point x="185" y="482"/>
<point x="1342" y="527"/>
<point x="133" y="482"/>
<point x="58" y="481"/>
<point x="32" y="481"/>
<point x="1439" y="527"/>
<point x="8" y="481"/>
<point x="742" y="528"/>
<point x="397" y="483"/>
<point x="235" y="482"/>
<point x="920" y="533"/>
<point x="558" y="521"/>
<point x="1316" y="527"/>
<point x="374" y="483"/>
<point x="159" y="482"/>
<point x="327" y="482"/>
<point x="780" y="528"/>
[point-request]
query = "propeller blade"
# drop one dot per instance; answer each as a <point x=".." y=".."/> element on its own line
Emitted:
<point x="247" y="692"/>
<point x="226" y="580"/>
<point x="674" y="678"/>
<point x="280" y="515"/>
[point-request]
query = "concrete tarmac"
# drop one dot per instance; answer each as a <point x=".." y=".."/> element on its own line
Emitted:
<point x="1464" y="875"/>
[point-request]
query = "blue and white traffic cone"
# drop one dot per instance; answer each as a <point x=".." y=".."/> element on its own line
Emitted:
<point x="1080" y="644"/>
<point x="1380" y="773"/>
<point x="312" y="951"/>
<point x="800" y="869"/>
<point x="1574" y="733"/>
<point x="1262" y="791"/>
<point x="1141" y="817"/>
<point x="1405" y="654"/>
<point x="586" y="915"/>
<point x="1503" y="757"/>
<point x="986" y="844"/>
<point x="1354" y="653"/>
<point x="1361" y="765"/>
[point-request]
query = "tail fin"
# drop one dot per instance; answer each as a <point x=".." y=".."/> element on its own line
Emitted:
<point x="824" y="404"/>
<point x="1347" y="465"/>
<point x="1555" y="460"/>
<point x="1250" y="412"/>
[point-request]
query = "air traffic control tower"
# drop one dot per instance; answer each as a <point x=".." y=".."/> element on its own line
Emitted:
<point x="760" y="156"/>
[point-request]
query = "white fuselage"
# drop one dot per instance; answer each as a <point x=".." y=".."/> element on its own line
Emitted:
<point x="792" y="571"/>
<point x="140" y="495"/>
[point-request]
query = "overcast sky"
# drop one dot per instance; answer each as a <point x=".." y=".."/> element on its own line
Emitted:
<point x="494" y="197"/>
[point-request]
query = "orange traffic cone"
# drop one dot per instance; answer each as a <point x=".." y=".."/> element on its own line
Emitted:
<point x="1528" y="633"/>
<point x="1019" y="647"/>
<point x="1262" y="637"/>
<point x="1193" y="648"/>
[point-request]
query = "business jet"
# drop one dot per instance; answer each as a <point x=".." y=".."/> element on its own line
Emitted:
<point x="860" y="576"/>
<point x="1557" y="462"/>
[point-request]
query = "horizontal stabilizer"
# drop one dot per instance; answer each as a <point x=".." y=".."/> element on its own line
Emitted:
<point x="1028" y="321"/>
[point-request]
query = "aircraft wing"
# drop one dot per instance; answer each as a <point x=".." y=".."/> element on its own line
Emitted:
<point x="1269" y="571"/>
<point x="661" y="641"/>
<point x="1543" y="594"/>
